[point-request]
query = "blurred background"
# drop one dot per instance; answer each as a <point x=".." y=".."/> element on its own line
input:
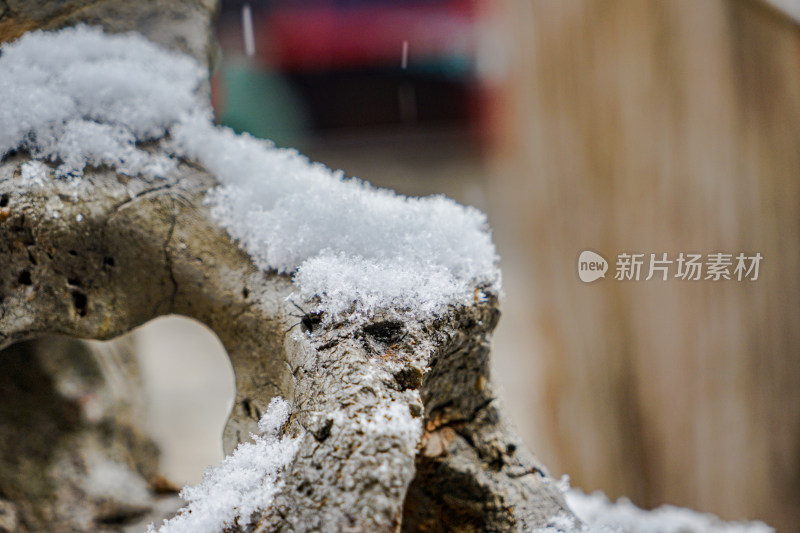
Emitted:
<point x="617" y="126"/>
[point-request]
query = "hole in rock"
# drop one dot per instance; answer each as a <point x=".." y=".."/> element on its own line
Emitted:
<point x="189" y="385"/>
<point x="80" y="301"/>
<point x="24" y="278"/>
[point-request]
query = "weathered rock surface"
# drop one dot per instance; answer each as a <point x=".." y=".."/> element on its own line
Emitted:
<point x="95" y="258"/>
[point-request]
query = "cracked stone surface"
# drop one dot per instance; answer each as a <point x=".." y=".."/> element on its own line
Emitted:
<point x="145" y="248"/>
<point x="95" y="258"/>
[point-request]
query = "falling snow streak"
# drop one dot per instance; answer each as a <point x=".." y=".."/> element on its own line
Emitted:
<point x="247" y="31"/>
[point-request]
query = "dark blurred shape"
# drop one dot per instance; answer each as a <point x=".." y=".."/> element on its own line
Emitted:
<point x="342" y="63"/>
<point x="373" y="97"/>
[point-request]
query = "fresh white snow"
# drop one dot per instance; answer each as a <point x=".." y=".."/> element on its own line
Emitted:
<point x="81" y="98"/>
<point x="600" y="515"/>
<point x="356" y="247"/>
<point x="605" y="516"/>
<point x="244" y="483"/>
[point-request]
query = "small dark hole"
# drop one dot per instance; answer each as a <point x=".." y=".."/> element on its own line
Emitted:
<point x="4" y="200"/>
<point x="324" y="431"/>
<point x="24" y="278"/>
<point x="79" y="300"/>
<point x="121" y="517"/>
<point x="250" y="409"/>
<point x="388" y="332"/>
<point x="305" y="487"/>
<point x="108" y="261"/>
<point x="496" y="464"/>
<point x="409" y="378"/>
<point x="72" y="252"/>
<point x="245" y="293"/>
<point x="310" y="321"/>
<point x="74" y="282"/>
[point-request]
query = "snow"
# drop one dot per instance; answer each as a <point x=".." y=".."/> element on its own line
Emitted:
<point x="34" y="173"/>
<point x="388" y="418"/>
<point x="394" y="419"/>
<point x="357" y="248"/>
<point x="246" y="481"/>
<point x="80" y="98"/>
<point x="600" y="515"/>
<point x="604" y="516"/>
<point x="247" y="31"/>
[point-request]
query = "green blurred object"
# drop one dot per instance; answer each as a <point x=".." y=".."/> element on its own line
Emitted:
<point x="261" y="103"/>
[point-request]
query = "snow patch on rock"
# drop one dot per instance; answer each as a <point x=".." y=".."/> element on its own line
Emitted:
<point x="80" y="98"/>
<point x="246" y="481"/>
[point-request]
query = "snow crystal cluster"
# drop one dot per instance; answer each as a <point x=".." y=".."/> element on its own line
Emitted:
<point x="243" y="484"/>
<point x="389" y="418"/>
<point x="599" y="515"/>
<point x="79" y="98"/>
<point x="394" y="418"/>
<point x="356" y="247"/>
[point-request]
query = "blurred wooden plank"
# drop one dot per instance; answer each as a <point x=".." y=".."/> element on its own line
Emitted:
<point x="649" y="126"/>
<point x="790" y="8"/>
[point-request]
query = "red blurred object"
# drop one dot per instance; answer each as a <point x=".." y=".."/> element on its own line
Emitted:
<point x="326" y="37"/>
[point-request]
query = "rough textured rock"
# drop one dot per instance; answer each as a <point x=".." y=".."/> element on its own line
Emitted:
<point x="143" y="249"/>
<point x="95" y="259"/>
<point x="180" y="24"/>
<point x="72" y="456"/>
